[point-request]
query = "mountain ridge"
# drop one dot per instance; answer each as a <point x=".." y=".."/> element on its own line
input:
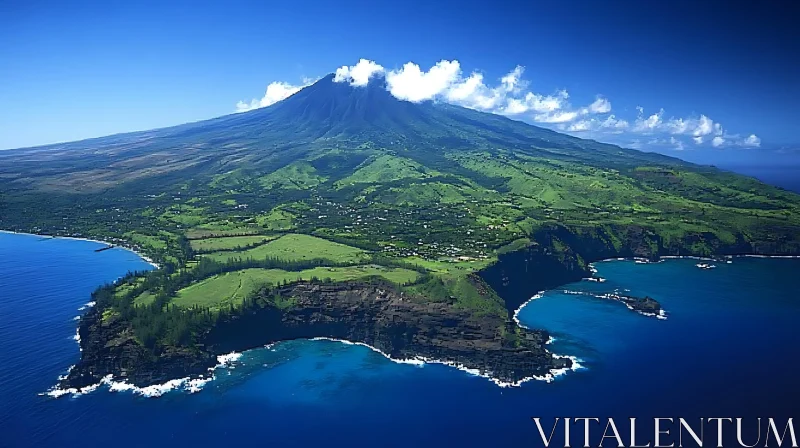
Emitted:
<point x="314" y="100"/>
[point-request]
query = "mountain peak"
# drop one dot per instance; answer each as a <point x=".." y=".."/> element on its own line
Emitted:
<point x="328" y="86"/>
<point x="370" y="114"/>
<point x="341" y="108"/>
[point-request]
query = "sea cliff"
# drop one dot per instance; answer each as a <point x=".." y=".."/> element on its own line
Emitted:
<point x="372" y="313"/>
<point x="400" y="325"/>
<point x="560" y="255"/>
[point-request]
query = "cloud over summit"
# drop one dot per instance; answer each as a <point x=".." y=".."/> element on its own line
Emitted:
<point x="276" y="91"/>
<point x="511" y="95"/>
<point x="446" y="81"/>
<point x="359" y="74"/>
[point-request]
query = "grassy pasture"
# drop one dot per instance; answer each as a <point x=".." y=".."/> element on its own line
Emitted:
<point x="228" y="243"/>
<point x="297" y="247"/>
<point x="232" y="287"/>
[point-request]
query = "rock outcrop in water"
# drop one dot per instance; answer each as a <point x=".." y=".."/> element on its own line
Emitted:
<point x="376" y="314"/>
<point x="647" y="306"/>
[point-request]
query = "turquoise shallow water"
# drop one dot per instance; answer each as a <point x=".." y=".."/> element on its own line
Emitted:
<point x="728" y="347"/>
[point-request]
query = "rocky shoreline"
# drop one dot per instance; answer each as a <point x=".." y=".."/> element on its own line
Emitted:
<point x="377" y="315"/>
<point x="384" y="318"/>
<point x="560" y="255"/>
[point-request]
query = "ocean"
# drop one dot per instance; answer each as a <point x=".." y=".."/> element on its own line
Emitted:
<point x="728" y="348"/>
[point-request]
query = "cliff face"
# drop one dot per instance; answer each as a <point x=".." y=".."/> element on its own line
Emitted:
<point x="375" y="314"/>
<point x="396" y="324"/>
<point x="518" y="275"/>
<point x="561" y="255"/>
<point x="400" y="325"/>
<point x="109" y="347"/>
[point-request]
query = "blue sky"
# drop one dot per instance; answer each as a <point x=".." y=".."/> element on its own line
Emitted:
<point x="86" y="69"/>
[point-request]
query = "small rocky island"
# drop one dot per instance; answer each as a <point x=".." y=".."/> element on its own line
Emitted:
<point x="646" y="305"/>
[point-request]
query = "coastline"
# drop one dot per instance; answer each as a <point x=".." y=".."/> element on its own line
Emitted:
<point x="576" y="362"/>
<point x="147" y="259"/>
<point x="538" y="295"/>
<point x="420" y="361"/>
<point x="640" y="260"/>
<point x="188" y="384"/>
<point x="195" y="383"/>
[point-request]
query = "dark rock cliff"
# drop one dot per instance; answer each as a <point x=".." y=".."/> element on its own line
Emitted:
<point x="561" y="255"/>
<point x="399" y="325"/>
<point x="375" y="314"/>
<point x="109" y="347"/>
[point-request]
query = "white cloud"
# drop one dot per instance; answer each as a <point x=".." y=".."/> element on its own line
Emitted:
<point x="556" y="117"/>
<point x="697" y="127"/>
<point x="613" y="123"/>
<point x="704" y="126"/>
<point x="752" y="140"/>
<point x="701" y="129"/>
<point x="410" y="83"/>
<point x="600" y="106"/>
<point x="580" y="126"/>
<point x="511" y="95"/>
<point x="609" y="125"/>
<point x="512" y="81"/>
<point x="446" y="82"/>
<point x="466" y="89"/>
<point x="542" y="104"/>
<point x="359" y="74"/>
<point x="649" y="124"/>
<point x="679" y="126"/>
<point x="276" y="91"/>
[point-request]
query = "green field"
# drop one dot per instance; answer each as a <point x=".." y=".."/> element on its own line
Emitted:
<point x="276" y="220"/>
<point x="232" y="287"/>
<point x="149" y="241"/>
<point x="293" y="247"/>
<point x="451" y="266"/>
<point x="218" y="231"/>
<point x="145" y="298"/>
<point x="228" y="243"/>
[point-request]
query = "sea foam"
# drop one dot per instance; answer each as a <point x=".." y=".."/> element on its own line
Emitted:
<point x="615" y="296"/>
<point x="420" y="361"/>
<point x="187" y="384"/>
<point x="538" y="295"/>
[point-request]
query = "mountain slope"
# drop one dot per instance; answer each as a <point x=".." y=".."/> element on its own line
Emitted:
<point x="326" y="113"/>
<point x="320" y="141"/>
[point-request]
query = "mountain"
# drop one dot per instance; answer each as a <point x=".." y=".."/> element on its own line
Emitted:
<point x="329" y="132"/>
<point x="344" y="212"/>
<point x="323" y="113"/>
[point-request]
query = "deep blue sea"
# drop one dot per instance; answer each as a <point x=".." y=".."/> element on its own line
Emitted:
<point x="728" y="348"/>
